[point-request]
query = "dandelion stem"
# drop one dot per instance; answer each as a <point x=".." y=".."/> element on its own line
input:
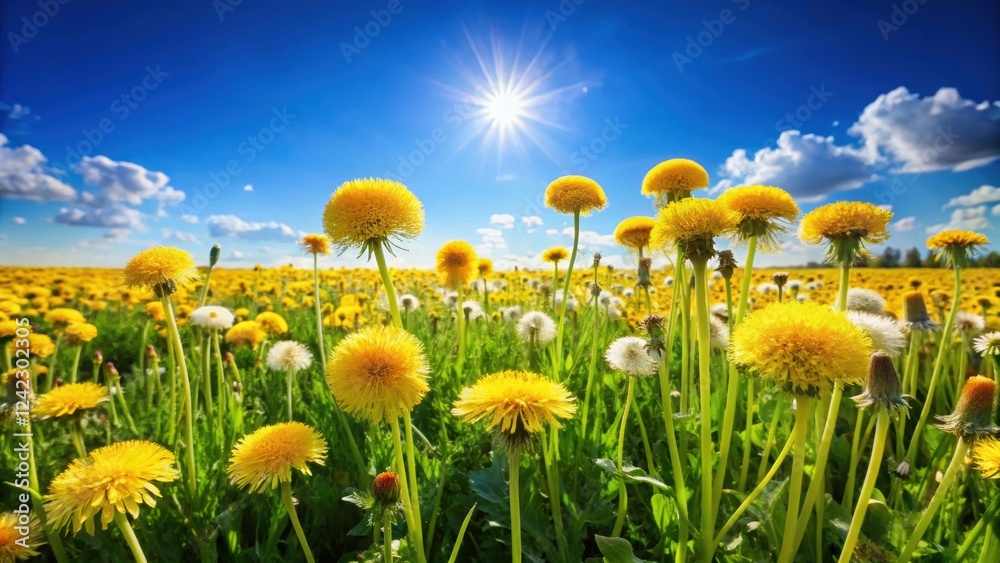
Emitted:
<point x="53" y="363"/>
<point x="390" y="290"/>
<point x="699" y="265"/>
<point x="76" y="363"/>
<point x="928" y="514"/>
<point x="55" y="540"/>
<point x="387" y="536"/>
<point x="769" y="441"/>
<point x="565" y="295"/>
<point x="515" y="504"/>
<point x="411" y="523"/>
<point x="817" y="483"/>
<point x="745" y="281"/>
<point x="411" y="467"/>
<point x="799" y="432"/>
<point x="938" y="367"/>
<point x="290" y="378"/>
<point x="973" y="535"/>
<point x="856" y="449"/>
<point x="286" y="499"/>
<point x="320" y="343"/>
<point x="881" y="431"/>
<point x="175" y="336"/>
<point x="622" y="492"/>
<point x="460" y="310"/>
<point x="206" y="379"/>
<point x="133" y="542"/>
<point x="76" y="434"/>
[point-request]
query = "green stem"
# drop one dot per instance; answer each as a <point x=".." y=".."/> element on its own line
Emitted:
<point x="175" y="336"/>
<point x="728" y="420"/>
<point x="817" y="484"/>
<point x="705" y="394"/>
<point x="204" y="290"/>
<point x="515" y="504"/>
<point x="411" y="467"/>
<point x="206" y="379"/>
<point x="55" y="540"/>
<point x="977" y="530"/>
<point x="675" y="462"/>
<point x="769" y="442"/>
<point x="874" y="463"/>
<point x="286" y="499"/>
<point x="928" y="514"/>
<point x="76" y="363"/>
<point x="460" y="309"/>
<point x="856" y="450"/>
<point x="799" y="432"/>
<point x="591" y="370"/>
<point x="756" y="492"/>
<point x="320" y="343"/>
<point x="387" y="536"/>
<point x="748" y="437"/>
<point x="745" y="281"/>
<point x="120" y="395"/>
<point x="650" y="464"/>
<point x="404" y="487"/>
<point x="290" y="378"/>
<point x="622" y="492"/>
<point x="938" y="367"/>
<point x="133" y="542"/>
<point x="390" y="290"/>
<point x="76" y="434"/>
<point x="845" y="283"/>
<point x="562" y="308"/>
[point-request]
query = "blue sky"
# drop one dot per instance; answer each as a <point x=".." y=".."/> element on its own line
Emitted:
<point x="193" y="123"/>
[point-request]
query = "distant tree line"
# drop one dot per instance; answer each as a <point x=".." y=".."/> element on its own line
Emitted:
<point x="894" y="258"/>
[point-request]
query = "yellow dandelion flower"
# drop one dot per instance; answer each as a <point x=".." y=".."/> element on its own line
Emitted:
<point x="575" y="194"/>
<point x="266" y="457"/>
<point x="515" y="401"/>
<point x="242" y="313"/>
<point x="272" y="323"/>
<point x="14" y="545"/>
<point x="986" y="457"/>
<point x="764" y="212"/>
<point x="61" y="317"/>
<point x="9" y="308"/>
<point x="115" y="478"/>
<point x="316" y="244"/>
<point x="846" y="219"/>
<point x="555" y="255"/>
<point x="372" y="209"/>
<point x="78" y="333"/>
<point x="674" y="179"/>
<point x="485" y="267"/>
<point x="635" y="232"/>
<point x="956" y="239"/>
<point x="8" y="329"/>
<point x="246" y="333"/>
<point x="692" y="224"/>
<point x="456" y="263"/>
<point x="804" y="347"/>
<point x="40" y="345"/>
<point x="155" y="310"/>
<point x="378" y="373"/>
<point x="67" y="400"/>
<point x="159" y="267"/>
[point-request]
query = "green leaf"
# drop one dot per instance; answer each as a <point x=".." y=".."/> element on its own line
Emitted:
<point x="616" y="550"/>
<point x="631" y="473"/>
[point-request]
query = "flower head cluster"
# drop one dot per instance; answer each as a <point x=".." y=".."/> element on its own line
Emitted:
<point x="555" y="255"/>
<point x="674" y="179"/>
<point x="635" y="232"/>
<point x="846" y="226"/>
<point x="315" y="244"/>
<point x="289" y="355"/>
<point x="246" y="333"/>
<point x="764" y="212"/>
<point x="456" y="264"/>
<point x="575" y="194"/>
<point x="956" y="247"/>
<point x="370" y="211"/>
<point x="266" y="457"/>
<point x="692" y="224"/>
<point x="973" y="415"/>
<point x="14" y="545"/>
<point x="161" y="269"/>
<point x="538" y="326"/>
<point x="987" y="344"/>
<point x="882" y="387"/>
<point x="76" y="334"/>
<point x="69" y="399"/>
<point x="628" y="355"/>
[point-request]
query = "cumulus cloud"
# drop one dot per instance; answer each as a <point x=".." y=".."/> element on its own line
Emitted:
<point x="237" y="255"/>
<point x="492" y="238"/>
<point x="112" y="216"/>
<point x="904" y="224"/>
<point x="939" y="132"/>
<point x="552" y="231"/>
<point x="504" y="220"/>
<point x="531" y="222"/>
<point x="970" y="219"/>
<point x="179" y="235"/>
<point x="592" y="237"/>
<point x="234" y="227"/>
<point x="808" y="166"/>
<point x="23" y="175"/>
<point x="19" y="220"/>
<point x="189" y="218"/>
<point x="982" y="194"/>
<point x="126" y="182"/>
<point x="248" y="188"/>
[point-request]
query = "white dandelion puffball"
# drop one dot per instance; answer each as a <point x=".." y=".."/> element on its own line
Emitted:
<point x="968" y="323"/>
<point x="718" y="332"/>
<point x="213" y="317"/>
<point x="409" y="302"/>
<point x="867" y="300"/>
<point x="987" y="344"/>
<point x="886" y="333"/>
<point x="538" y="325"/>
<point x="289" y="355"/>
<point x="628" y="355"/>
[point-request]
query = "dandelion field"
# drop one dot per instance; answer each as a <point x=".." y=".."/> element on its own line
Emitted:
<point x="690" y="412"/>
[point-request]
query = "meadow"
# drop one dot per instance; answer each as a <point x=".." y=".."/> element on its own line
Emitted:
<point x="691" y="412"/>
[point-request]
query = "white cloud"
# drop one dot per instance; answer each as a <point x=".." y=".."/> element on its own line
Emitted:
<point x="116" y="235"/>
<point x="248" y="188"/>
<point x="23" y="175"/>
<point x="904" y="224"/>
<point x="507" y="177"/>
<point x="592" y="237"/>
<point x="179" y="235"/>
<point x="125" y="182"/>
<point x="492" y="238"/>
<point x="552" y="231"/>
<point x="233" y="226"/>
<point x="939" y="132"/>
<point x="504" y="220"/>
<point x="531" y="222"/>
<point x="971" y="219"/>
<point x="982" y="194"/>
<point x="236" y="254"/>
<point x="808" y="166"/>
<point x="488" y="232"/>
<point x="996" y="210"/>
<point x="19" y="220"/>
<point x="189" y="218"/>
<point x="112" y="216"/>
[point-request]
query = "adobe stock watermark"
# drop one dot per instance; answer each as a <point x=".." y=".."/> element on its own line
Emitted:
<point x="223" y="7"/>
<point x="898" y="17"/>
<point x="563" y="11"/>
<point x="364" y="34"/>
<point x="696" y="44"/>
<point x="944" y="140"/>
<point x="793" y="120"/>
<point x="120" y="109"/>
<point x="31" y="25"/>
<point x="248" y="149"/>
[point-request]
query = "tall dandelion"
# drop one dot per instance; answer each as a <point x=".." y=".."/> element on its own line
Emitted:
<point x="379" y="374"/>
<point x="162" y="269"/>
<point x="554" y="256"/>
<point x="518" y="404"/>
<point x="457" y="265"/>
<point x="289" y="357"/>
<point x="114" y="481"/>
<point x="316" y="245"/>
<point x="265" y="458"/>
<point x="69" y="402"/>
<point x="691" y="226"/>
<point x="634" y="233"/>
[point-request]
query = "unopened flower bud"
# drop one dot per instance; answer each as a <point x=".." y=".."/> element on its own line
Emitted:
<point x="973" y="416"/>
<point x="385" y="488"/>
<point x="597" y="259"/>
<point x="882" y="387"/>
<point x="229" y="359"/>
<point x="643" y="274"/>
<point x="779" y="278"/>
<point x="151" y="352"/>
<point x="98" y="357"/>
<point x="213" y="255"/>
<point x="727" y="263"/>
<point x="111" y="371"/>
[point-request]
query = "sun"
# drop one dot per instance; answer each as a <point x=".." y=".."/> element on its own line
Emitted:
<point x="505" y="108"/>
